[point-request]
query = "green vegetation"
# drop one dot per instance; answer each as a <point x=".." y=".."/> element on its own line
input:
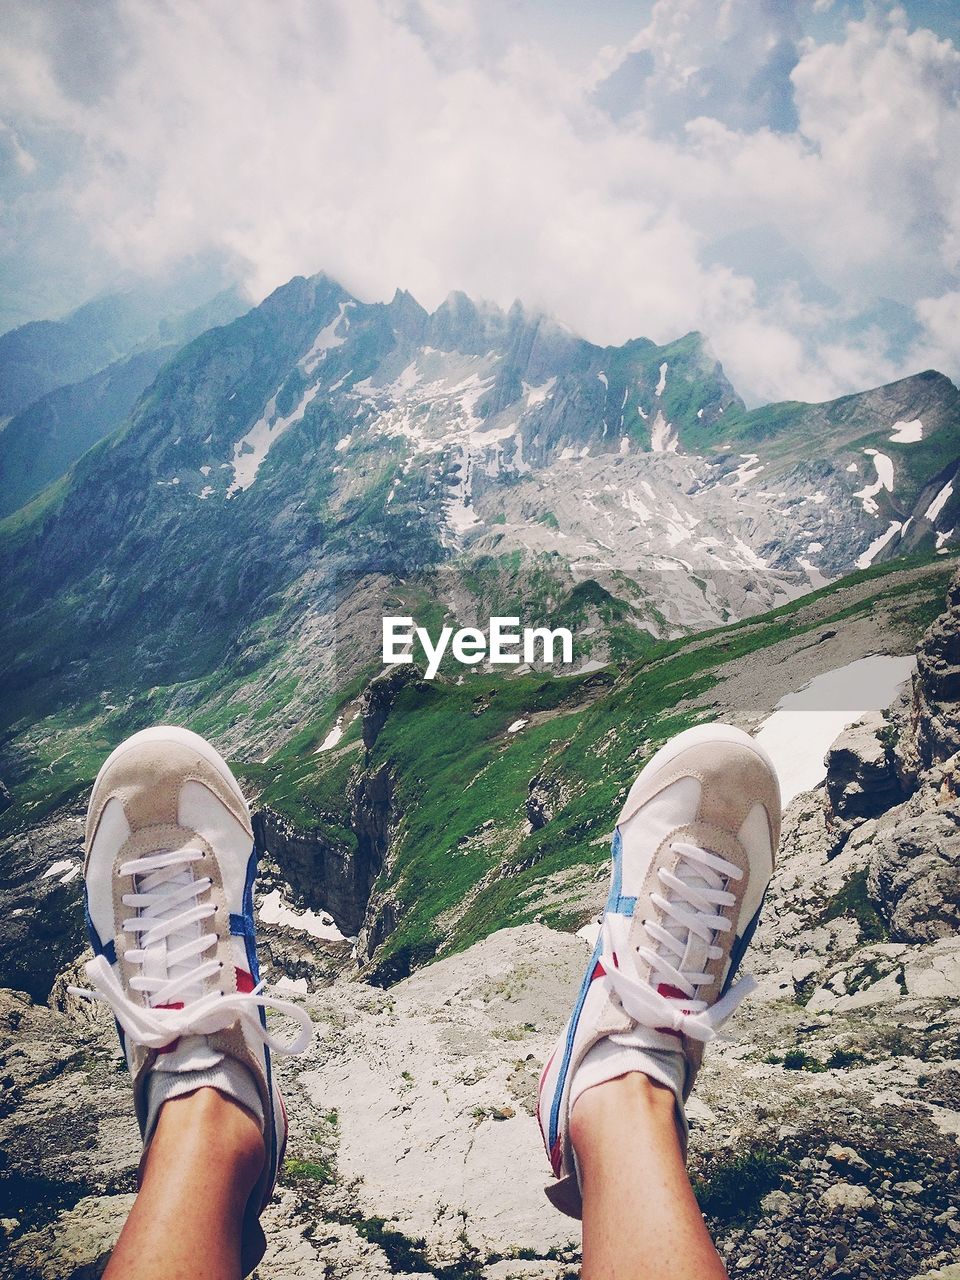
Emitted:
<point x="734" y="1185"/>
<point x="588" y="741"/>
<point x="840" y="1059"/>
<point x="307" y="1171"/>
<point x="854" y="900"/>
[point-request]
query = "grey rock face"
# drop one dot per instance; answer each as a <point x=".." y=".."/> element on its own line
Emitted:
<point x="862" y="780"/>
<point x="324" y="874"/>
<point x="41" y="902"/>
<point x="381" y="694"/>
<point x="933" y="733"/>
<point x="915" y="874"/>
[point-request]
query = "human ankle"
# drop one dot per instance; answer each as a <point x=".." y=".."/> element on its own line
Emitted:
<point x="224" y="1127"/>
<point x="629" y="1098"/>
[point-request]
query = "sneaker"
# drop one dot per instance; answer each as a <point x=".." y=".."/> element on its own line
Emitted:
<point x="169" y="872"/>
<point x="692" y="853"/>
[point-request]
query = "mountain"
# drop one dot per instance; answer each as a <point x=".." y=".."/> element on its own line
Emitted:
<point x="226" y="556"/>
<point x="317" y="440"/>
<point x="40" y="356"/>
<point x="43" y="440"/>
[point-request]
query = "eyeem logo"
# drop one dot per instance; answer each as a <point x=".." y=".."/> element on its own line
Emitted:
<point x="507" y="644"/>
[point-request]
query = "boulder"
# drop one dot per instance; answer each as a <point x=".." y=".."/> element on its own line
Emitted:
<point x="914" y="874"/>
<point x="862" y="779"/>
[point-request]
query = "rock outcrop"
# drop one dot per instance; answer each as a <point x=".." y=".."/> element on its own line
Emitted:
<point x="41" y="902"/>
<point x="932" y="735"/>
<point x="325" y="874"/>
<point x="862" y="779"/>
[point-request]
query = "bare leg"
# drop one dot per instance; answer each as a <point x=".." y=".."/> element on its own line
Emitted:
<point x="203" y="1162"/>
<point x="640" y="1216"/>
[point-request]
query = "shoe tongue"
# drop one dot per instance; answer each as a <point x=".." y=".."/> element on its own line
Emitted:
<point x="155" y="962"/>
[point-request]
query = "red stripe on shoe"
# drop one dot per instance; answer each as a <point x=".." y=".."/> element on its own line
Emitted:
<point x="169" y="1048"/>
<point x="556" y="1157"/>
<point x="245" y="980"/>
<point x="671" y="993"/>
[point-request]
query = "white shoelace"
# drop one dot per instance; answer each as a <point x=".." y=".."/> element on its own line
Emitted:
<point x="168" y="920"/>
<point x="694" y="909"/>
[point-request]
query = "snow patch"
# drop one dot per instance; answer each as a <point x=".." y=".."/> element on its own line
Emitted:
<point x="801" y="730"/>
<point x="250" y="451"/>
<point x="876" y="546"/>
<point x="663" y="439"/>
<point x="939" y="502"/>
<point x="284" y="983"/>
<point x="603" y="379"/>
<point x="57" y="869"/>
<point x="907" y="432"/>
<point x="206" y="492"/>
<point x="332" y="738"/>
<point x="537" y="395"/>
<point x="517" y="725"/>
<point x="750" y="466"/>
<point x="658" y="390"/>
<point x="814" y="575"/>
<point x="328" y="339"/>
<point x="884" y="480"/>
<point x="639" y="509"/>
<point x="273" y="910"/>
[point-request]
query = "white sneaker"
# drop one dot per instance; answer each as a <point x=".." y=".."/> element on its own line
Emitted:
<point x="169" y="874"/>
<point x="693" y="853"/>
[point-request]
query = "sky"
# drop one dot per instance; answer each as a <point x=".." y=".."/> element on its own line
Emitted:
<point x="783" y="175"/>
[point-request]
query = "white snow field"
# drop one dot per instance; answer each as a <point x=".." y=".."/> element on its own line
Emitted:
<point x="801" y="730"/>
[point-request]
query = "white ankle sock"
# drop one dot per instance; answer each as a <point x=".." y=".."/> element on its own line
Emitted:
<point x="609" y="1059"/>
<point x="194" y="1065"/>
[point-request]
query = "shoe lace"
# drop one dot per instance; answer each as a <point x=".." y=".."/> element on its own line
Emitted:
<point x="168" y="923"/>
<point x="694" y="915"/>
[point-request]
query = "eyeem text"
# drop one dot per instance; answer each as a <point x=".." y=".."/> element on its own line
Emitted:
<point x="505" y="645"/>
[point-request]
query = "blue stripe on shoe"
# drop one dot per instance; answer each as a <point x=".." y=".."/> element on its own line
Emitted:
<point x="244" y="926"/>
<point x="568" y="1046"/>
<point x="738" y="950"/>
<point x="106" y="949"/>
<point x="616" y="852"/>
<point x="241" y="926"/>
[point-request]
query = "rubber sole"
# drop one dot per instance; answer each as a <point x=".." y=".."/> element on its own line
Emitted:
<point x="695" y="737"/>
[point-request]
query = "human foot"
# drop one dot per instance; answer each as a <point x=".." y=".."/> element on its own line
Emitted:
<point x="692" y="856"/>
<point x="169" y="874"/>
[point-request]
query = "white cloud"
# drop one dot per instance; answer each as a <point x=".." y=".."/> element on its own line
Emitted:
<point x="394" y="143"/>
